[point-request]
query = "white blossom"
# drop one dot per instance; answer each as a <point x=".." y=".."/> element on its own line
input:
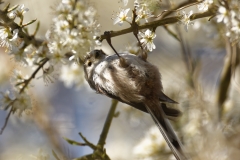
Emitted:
<point x="18" y="53"/>
<point x="48" y="76"/>
<point x="147" y="39"/>
<point x="5" y="99"/>
<point x="22" y="102"/>
<point x="31" y="56"/>
<point x="7" y="38"/>
<point x="205" y="5"/>
<point x="56" y="53"/>
<point x="142" y="13"/>
<point x="72" y="37"/>
<point x="236" y="27"/>
<point x="60" y="25"/>
<point x="185" y="19"/>
<point x="18" y="12"/>
<point x="148" y="5"/>
<point x="63" y="10"/>
<point x="65" y="38"/>
<point x="4" y="32"/>
<point x="18" y="78"/>
<point x="222" y="15"/>
<point x="68" y="2"/>
<point x="6" y="43"/>
<point x="122" y="17"/>
<point x="71" y="74"/>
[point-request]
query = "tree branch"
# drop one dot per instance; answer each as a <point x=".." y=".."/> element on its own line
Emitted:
<point x="7" y="118"/>
<point x="26" y="82"/>
<point x="26" y="38"/>
<point x="161" y="22"/>
<point x="107" y="123"/>
<point x="225" y="80"/>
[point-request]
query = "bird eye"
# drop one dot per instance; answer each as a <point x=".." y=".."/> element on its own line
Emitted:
<point x="89" y="64"/>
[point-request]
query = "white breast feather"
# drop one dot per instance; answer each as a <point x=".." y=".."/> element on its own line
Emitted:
<point x="105" y="81"/>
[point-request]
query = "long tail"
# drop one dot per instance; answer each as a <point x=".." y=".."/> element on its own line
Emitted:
<point x="166" y="129"/>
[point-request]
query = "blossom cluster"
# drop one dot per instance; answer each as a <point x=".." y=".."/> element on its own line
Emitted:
<point x="18" y="98"/>
<point x="185" y="19"/>
<point x="143" y="11"/>
<point x="204" y="6"/>
<point x="67" y="42"/>
<point x="71" y="37"/>
<point x="73" y="29"/>
<point x="229" y="15"/>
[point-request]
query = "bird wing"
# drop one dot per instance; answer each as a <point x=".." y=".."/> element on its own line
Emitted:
<point x="165" y="98"/>
<point x="171" y="113"/>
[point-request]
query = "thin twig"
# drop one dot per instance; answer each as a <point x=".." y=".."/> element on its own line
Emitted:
<point x="171" y="33"/>
<point x="26" y="82"/>
<point x="6" y="120"/>
<point x="107" y="123"/>
<point x="26" y="38"/>
<point x="187" y="58"/>
<point x="87" y="142"/>
<point x="178" y="8"/>
<point x="99" y="150"/>
<point x="157" y="23"/>
<point x="225" y="80"/>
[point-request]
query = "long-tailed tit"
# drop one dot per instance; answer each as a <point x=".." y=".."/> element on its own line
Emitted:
<point x="134" y="81"/>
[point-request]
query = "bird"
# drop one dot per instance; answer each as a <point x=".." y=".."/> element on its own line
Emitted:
<point x="132" y="80"/>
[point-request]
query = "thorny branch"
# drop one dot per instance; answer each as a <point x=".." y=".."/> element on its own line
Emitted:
<point x="157" y="23"/>
<point x="26" y="82"/>
<point x="26" y="38"/>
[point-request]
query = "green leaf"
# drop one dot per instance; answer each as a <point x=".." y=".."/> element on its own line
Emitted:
<point x="72" y="142"/>
<point x="6" y="8"/>
<point x="37" y="28"/>
<point x="26" y="24"/>
<point x="11" y="9"/>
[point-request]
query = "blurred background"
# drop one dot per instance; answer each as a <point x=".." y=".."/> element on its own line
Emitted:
<point x="60" y="112"/>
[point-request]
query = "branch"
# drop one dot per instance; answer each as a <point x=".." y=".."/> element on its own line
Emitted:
<point x="107" y="123"/>
<point x="187" y="58"/>
<point x="7" y="118"/>
<point x="26" y="82"/>
<point x="157" y="23"/>
<point x="178" y="8"/>
<point x="225" y="80"/>
<point x="26" y="38"/>
<point x="87" y="142"/>
<point x="171" y="33"/>
<point x="99" y="151"/>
